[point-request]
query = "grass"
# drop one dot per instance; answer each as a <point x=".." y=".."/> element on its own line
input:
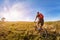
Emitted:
<point x="25" y="31"/>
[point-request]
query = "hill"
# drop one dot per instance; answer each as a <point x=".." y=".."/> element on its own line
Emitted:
<point x="21" y="30"/>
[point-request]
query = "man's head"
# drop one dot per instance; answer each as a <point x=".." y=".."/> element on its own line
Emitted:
<point x="38" y="13"/>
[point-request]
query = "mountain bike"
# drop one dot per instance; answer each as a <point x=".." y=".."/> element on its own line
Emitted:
<point x="43" y="32"/>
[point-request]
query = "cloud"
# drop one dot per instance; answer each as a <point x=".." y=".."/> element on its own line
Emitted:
<point x="17" y="12"/>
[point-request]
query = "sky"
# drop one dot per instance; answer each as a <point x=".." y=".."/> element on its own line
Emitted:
<point x="26" y="10"/>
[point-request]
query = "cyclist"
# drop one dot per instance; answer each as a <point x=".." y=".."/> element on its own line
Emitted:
<point x="40" y="17"/>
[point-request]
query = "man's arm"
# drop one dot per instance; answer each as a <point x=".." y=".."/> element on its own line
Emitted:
<point x="35" y="18"/>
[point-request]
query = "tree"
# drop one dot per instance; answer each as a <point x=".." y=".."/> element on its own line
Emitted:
<point x="2" y="19"/>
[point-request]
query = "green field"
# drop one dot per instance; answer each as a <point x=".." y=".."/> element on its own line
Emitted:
<point x="26" y="31"/>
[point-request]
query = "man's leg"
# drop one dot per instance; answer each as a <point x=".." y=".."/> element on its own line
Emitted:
<point x="37" y="25"/>
<point x="42" y="23"/>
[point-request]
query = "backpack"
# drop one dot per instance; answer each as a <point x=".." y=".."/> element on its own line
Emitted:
<point x="41" y="16"/>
